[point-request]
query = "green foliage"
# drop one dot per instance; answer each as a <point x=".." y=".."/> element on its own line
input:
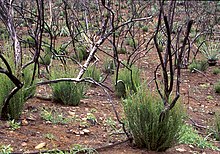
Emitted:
<point x="77" y="148"/>
<point x="54" y="116"/>
<point x="120" y="89"/>
<point x="81" y="53"/>
<point x="3" y="33"/>
<point x="145" y="28"/>
<point x="199" y="65"/>
<point x="125" y="75"/>
<point x="28" y="89"/>
<point x="216" y="71"/>
<point x="16" y="102"/>
<point x="13" y="124"/>
<point x="93" y="72"/>
<point x="68" y="93"/>
<point x="6" y="149"/>
<point x="122" y="51"/>
<point x="28" y="42"/>
<point x="210" y="50"/>
<point x="217" y="125"/>
<point x="191" y="136"/>
<point x="46" y="58"/>
<point x="217" y="87"/>
<point x="109" y="66"/>
<point x="131" y="42"/>
<point x="142" y="111"/>
<point x="50" y="136"/>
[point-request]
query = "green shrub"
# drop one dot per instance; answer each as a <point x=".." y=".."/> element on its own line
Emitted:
<point x="217" y="87"/>
<point x="94" y="73"/>
<point x="46" y="58"/>
<point x="122" y="51"/>
<point x="28" y="89"/>
<point x="28" y="42"/>
<point x="81" y="53"/>
<point x="131" y="42"/>
<point x="125" y="75"/>
<point x="68" y="93"/>
<point x="17" y="101"/>
<point x="199" y="65"/>
<point x="3" y="33"/>
<point x="217" y="125"/>
<point x="142" y="111"/>
<point x="109" y="66"/>
<point x="145" y="28"/>
<point x="216" y="71"/>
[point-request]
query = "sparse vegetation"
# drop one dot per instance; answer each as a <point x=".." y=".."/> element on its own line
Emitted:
<point x="54" y="116"/>
<point x="190" y="136"/>
<point x="50" y="51"/>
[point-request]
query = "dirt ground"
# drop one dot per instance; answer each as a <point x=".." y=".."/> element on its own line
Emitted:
<point x="93" y="123"/>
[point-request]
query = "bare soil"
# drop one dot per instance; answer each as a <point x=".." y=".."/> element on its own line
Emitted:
<point x="197" y="95"/>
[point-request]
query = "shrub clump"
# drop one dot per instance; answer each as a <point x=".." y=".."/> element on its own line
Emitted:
<point x="94" y="73"/>
<point x="131" y="81"/>
<point x="217" y="125"/>
<point x="217" y="87"/>
<point x="216" y="71"/>
<point x="68" y="93"/>
<point x="142" y="111"/>
<point x="198" y="65"/>
<point x="17" y="101"/>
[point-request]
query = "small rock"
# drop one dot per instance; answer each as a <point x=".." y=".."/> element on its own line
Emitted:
<point x="81" y="133"/>
<point x="191" y="146"/>
<point x="180" y="150"/>
<point x="71" y="113"/>
<point x="24" y="122"/>
<point x="86" y="131"/>
<point x="41" y="145"/>
<point x="23" y="144"/>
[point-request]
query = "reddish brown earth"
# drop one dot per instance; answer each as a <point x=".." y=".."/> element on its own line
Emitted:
<point x="196" y="89"/>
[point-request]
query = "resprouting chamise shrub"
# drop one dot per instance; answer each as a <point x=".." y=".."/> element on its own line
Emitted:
<point x="109" y="66"/>
<point x="45" y="59"/>
<point x="145" y="28"/>
<point x="198" y="65"/>
<point x="122" y="50"/>
<point x="191" y="137"/>
<point x="17" y="101"/>
<point x="28" y="89"/>
<point x="125" y="75"/>
<point x="216" y="71"/>
<point x="93" y="72"/>
<point x="28" y="41"/>
<point x="68" y="93"/>
<point x="81" y="53"/>
<point x="217" y="125"/>
<point x="217" y="87"/>
<point x="142" y="111"/>
<point x="131" y="42"/>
